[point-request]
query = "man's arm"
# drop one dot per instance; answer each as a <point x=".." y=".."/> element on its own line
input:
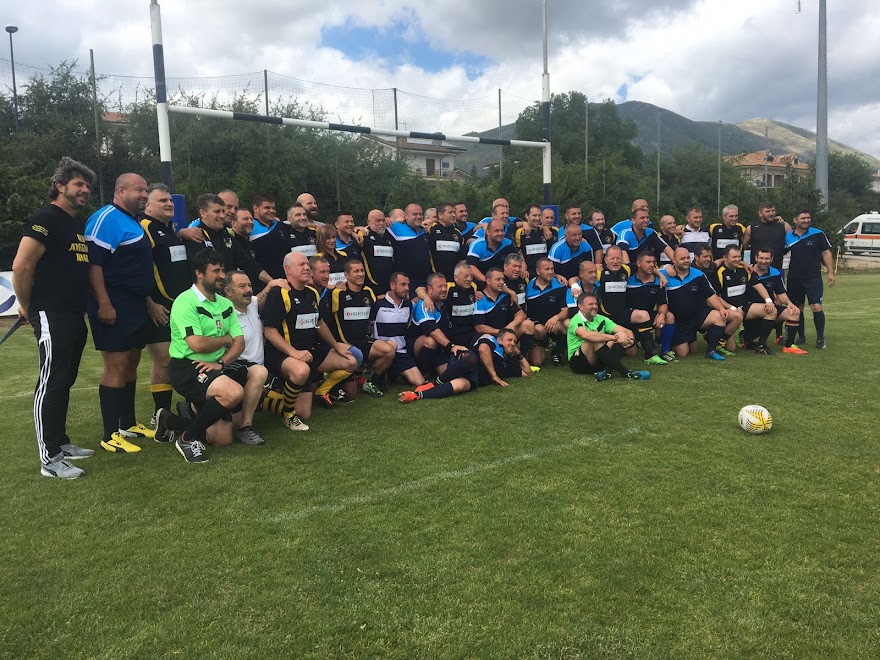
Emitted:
<point x="517" y="319"/>
<point x="30" y="251"/>
<point x="761" y="290"/>
<point x="828" y="260"/>
<point x="328" y="338"/>
<point x="747" y="238"/>
<point x="478" y="274"/>
<point x="556" y="319"/>
<point x="106" y="312"/>
<point x="200" y="344"/>
<point x="485" y="354"/>
<point x="191" y="234"/>
<point x="719" y="305"/>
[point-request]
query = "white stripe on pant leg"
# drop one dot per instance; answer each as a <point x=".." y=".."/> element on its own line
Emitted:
<point x="42" y="385"/>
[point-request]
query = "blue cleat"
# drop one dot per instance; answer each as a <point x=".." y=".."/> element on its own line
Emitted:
<point x="715" y="355"/>
<point x="639" y="375"/>
<point x="602" y="375"/>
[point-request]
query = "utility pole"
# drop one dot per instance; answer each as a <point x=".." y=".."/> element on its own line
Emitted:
<point x="822" y="110"/>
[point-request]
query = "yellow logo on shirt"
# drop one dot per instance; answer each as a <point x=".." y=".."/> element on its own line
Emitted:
<point x="40" y="229"/>
<point x="81" y="250"/>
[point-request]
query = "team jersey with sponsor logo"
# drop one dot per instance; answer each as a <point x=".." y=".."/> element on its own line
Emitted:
<point x="611" y="290"/>
<point x="304" y="241"/>
<point x="172" y="273"/>
<point x="650" y="241"/>
<point x="484" y="257"/>
<point x="295" y="314"/>
<point x="377" y="253"/>
<point x="772" y="281"/>
<point x="721" y="237"/>
<point x="567" y="260"/>
<point x="496" y="313"/>
<point x="733" y="284"/>
<point x="446" y="248"/>
<point x="351" y="311"/>
<point x="460" y="304"/>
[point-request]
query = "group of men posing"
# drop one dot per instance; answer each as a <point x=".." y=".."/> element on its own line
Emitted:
<point x="243" y="312"/>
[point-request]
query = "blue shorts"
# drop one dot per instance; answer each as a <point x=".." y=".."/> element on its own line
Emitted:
<point x="686" y="330"/>
<point x="130" y="329"/>
<point x="811" y="289"/>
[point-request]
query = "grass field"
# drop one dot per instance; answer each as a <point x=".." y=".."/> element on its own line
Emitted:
<point x="558" y="518"/>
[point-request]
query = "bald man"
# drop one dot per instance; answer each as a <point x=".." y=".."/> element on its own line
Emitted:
<point x="121" y="281"/>
<point x="637" y="205"/>
<point x="377" y="253"/>
<point x="411" y="249"/>
<point x="307" y="201"/>
<point x="668" y="232"/>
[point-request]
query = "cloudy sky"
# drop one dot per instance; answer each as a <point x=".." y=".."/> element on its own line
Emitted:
<point x="710" y="59"/>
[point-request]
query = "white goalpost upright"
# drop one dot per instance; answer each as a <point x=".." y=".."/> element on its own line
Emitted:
<point x="163" y="109"/>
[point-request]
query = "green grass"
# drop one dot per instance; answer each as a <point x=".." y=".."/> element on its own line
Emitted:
<point x="559" y="518"/>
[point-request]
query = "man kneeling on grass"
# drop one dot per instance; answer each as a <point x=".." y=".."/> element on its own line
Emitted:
<point x="206" y="343"/>
<point x="495" y="359"/>
<point x="596" y="344"/>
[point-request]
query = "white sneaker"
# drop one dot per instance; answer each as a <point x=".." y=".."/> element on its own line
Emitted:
<point x="61" y="469"/>
<point x="72" y="452"/>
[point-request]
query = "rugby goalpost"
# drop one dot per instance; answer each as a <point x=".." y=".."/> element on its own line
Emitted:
<point x="163" y="108"/>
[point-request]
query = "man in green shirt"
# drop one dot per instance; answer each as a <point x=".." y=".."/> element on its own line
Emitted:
<point x="596" y="343"/>
<point x="206" y="341"/>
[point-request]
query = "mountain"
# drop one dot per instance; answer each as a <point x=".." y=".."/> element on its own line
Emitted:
<point x="677" y="131"/>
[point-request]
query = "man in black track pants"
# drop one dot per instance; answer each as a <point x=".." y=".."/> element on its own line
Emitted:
<point x="50" y="276"/>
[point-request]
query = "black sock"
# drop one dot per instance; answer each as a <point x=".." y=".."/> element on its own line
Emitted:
<point x="525" y="344"/>
<point x="561" y="346"/>
<point x="801" y="324"/>
<point x="790" y="333"/>
<point x="646" y="338"/>
<point x="819" y="320"/>
<point x="610" y="359"/>
<point x="109" y="398"/>
<point x="440" y="391"/>
<point x="161" y="398"/>
<point x="211" y="412"/>
<point x="126" y="407"/>
<point x="175" y="423"/>
<point x="713" y="336"/>
<point x="766" y="329"/>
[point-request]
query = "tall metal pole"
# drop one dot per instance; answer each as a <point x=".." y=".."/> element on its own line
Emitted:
<point x="822" y="110"/>
<point x="587" y="139"/>
<point x="97" y="126"/>
<point x="266" y="89"/>
<point x="719" y="166"/>
<point x="500" y="147"/>
<point x="545" y="114"/>
<point x="12" y="29"/>
<point x="161" y="96"/>
<point x="658" y="160"/>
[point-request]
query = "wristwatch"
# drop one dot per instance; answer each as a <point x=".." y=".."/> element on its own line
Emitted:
<point x="221" y="362"/>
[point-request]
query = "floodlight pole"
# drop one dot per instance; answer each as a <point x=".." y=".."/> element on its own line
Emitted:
<point x="822" y="110"/>
<point x="161" y="96"/>
<point x="545" y="115"/>
<point x="12" y="29"/>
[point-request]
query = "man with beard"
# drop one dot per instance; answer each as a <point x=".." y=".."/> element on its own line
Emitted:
<point x="596" y="220"/>
<point x="532" y="239"/>
<point x="445" y="241"/>
<point x="50" y="276"/>
<point x="270" y="238"/>
<point x="767" y="232"/>
<point x="307" y="201"/>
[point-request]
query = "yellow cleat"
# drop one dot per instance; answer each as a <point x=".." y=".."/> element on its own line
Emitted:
<point x="535" y="369"/>
<point x="138" y="431"/>
<point x="119" y="445"/>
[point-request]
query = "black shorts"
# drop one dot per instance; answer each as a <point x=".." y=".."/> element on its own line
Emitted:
<point x="624" y="318"/>
<point x="811" y="289"/>
<point x="580" y="365"/>
<point x="503" y="369"/>
<point x="128" y="331"/>
<point x="186" y="380"/>
<point x="273" y="358"/>
<point x="686" y="330"/>
<point x="402" y="362"/>
<point x="364" y="346"/>
<point x="155" y="334"/>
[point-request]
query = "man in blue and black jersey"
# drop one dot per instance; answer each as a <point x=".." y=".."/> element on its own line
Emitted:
<point x="462" y="223"/>
<point x="623" y="225"/>
<point x="121" y="281"/>
<point x="809" y="248"/>
<point x="391" y="316"/>
<point x="447" y="245"/>
<point x="411" y="249"/>
<point x="574" y="214"/>
<point x="377" y="253"/>
<point x="568" y="253"/>
<point x="647" y="306"/>
<point x="427" y="340"/>
<point x="607" y="238"/>
<point x="610" y="286"/>
<point x="461" y="299"/>
<point x="514" y="269"/>
<point x="734" y="282"/>
<point x="489" y="251"/>
<point x="172" y="276"/>
<point x="496" y="310"/>
<point x="786" y="311"/>
<point x="546" y="308"/>
<point x="303" y="235"/>
<point x="695" y="307"/>
<point x="270" y="238"/>
<point x="348" y="241"/>
<point x="640" y="237"/>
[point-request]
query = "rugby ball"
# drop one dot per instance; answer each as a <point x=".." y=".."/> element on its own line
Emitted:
<point x="755" y="419"/>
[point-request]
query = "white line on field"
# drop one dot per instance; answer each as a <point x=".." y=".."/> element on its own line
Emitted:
<point x="432" y="479"/>
<point x="84" y="388"/>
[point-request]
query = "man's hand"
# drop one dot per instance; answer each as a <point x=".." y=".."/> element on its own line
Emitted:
<point x="498" y="381"/>
<point x="302" y="356"/>
<point x="724" y="313"/>
<point x="157" y="313"/>
<point x="561" y="280"/>
<point x="107" y="314"/>
<point x="342" y="351"/>
<point x="191" y="234"/>
<point x="428" y="304"/>
<point x="662" y="276"/>
<point x="457" y="351"/>
<point x="769" y="307"/>
<point x="830" y="278"/>
<point x="22" y="314"/>
<point x="204" y="367"/>
<point x="278" y="282"/>
<point x="659" y="321"/>
<point x="478" y="295"/>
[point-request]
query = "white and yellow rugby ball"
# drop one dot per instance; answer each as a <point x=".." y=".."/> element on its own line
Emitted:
<point x="755" y="419"/>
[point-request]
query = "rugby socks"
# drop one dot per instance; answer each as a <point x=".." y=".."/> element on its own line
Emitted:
<point x="439" y="391"/>
<point x="713" y="336"/>
<point x="819" y="320"/>
<point x="561" y="347"/>
<point x="126" y="407"/>
<point x="273" y="402"/>
<point x="210" y="413"/>
<point x="161" y="395"/>
<point x="791" y="329"/>
<point x="610" y="359"/>
<point x="333" y="379"/>
<point x="646" y="338"/>
<point x="525" y="343"/>
<point x="291" y="393"/>
<point x="666" y="335"/>
<point x="110" y="399"/>
<point x="767" y="326"/>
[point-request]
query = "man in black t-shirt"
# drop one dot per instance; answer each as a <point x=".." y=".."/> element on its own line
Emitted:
<point x="810" y="250"/>
<point x="447" y="246"/>
<point x="50" y="276"/>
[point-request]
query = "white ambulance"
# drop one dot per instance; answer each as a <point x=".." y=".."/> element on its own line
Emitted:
<point x="862" y="234"/>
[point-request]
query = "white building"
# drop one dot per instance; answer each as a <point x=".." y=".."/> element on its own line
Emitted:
<point x="432" y="159"/>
